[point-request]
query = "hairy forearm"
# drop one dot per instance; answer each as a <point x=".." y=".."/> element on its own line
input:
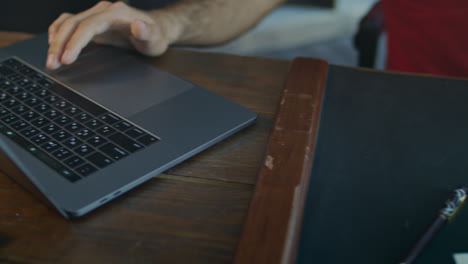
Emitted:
<point x="194" y="22"/>
<point x="207" y="22"/>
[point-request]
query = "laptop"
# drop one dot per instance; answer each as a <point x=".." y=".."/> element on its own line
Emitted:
<point x="88" y="132"/>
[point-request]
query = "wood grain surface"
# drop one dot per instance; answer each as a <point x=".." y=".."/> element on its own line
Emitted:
<point x="271" y="229"/>
<point x="191" y="214"/>
<point x="7" y="38"/>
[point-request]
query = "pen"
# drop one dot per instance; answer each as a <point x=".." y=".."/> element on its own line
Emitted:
<point x="445" y="214"/>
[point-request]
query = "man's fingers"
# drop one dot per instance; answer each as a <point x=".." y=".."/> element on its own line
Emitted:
<point x="140" y="35"/>
<point x="116" y="17"/>
<point x="140" y="30"/>
<point x="83" y="34"/>
<point x="147" y="38"/>
<point x="56" y="25"/>
<point x="110" y="23"/>
<point x="63" y="30"/>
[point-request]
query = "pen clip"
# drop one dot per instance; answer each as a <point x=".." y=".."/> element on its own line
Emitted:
<point x="454" y="203"/>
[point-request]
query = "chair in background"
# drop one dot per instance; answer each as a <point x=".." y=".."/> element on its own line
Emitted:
<point x="368" y="38"/>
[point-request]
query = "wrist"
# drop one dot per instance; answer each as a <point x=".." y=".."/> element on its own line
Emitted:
<point x="170" y="25"/>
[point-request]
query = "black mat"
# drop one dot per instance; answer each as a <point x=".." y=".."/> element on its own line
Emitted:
<point x="391" y="149"/>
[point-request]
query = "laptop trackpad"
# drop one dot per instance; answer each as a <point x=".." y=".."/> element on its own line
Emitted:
<point x="119" y="81"/>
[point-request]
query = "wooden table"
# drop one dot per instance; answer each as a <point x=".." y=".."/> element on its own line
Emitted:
<point x="194" y="212"/>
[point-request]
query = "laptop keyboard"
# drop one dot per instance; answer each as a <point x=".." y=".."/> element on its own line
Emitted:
<point x="68" y="132"/>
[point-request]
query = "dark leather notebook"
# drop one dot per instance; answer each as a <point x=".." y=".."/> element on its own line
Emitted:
<point x="390" y="150"/>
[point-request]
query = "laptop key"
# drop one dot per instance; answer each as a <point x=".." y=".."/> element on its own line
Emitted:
<point x="74" y="161"/>
<point x="50" y="129"/>
<point x="83" y="117"/>
<point x="74" y="127"/>
<point x="23" y="82"/>
<point x="99" y="160"/>
<point x="123" y="125"/>
<point x="14" y="90"/>
<point x="94" y="123"/>
<point x="33" y="87"/>
<point x="61" y="135"/>
<point x="125" y="142"/>
<point x="50" y="146"/>
<point x="36" y="76"/>
<point x="30" y="115"/>
<point x="69" y="175"/>
<point x="63" y="120"/>
<point x="6" y="84"/>
<point x="40" y="139"/>
<point x="51" y="99"/>
<point x="30" y="132"/>
<point x="40" y="122"/>
<point x="26" y="70"/>
<point x="106" y="131"/>
<point x="113" y="151"/>
<point x="32" y="102"/>
<point x="85" y="134"/>
<point x="4" y="112"/>
<point x="15" y="77"/>
<point x="20" y="109"/>
<point x="135" y="132"/>
<point x="96" y="141"/>
<point x="61" y="105"/>
<point x="42" y="93"/>
<point x="23" y="96"/>
<point x="62" y="153"/>
<point x="5" y="70"/>
<point x="84" y="150"/>
<point x="147" y="139"/>
<point x="44" y="82"/>
<point x="42" y="108"/>
<point x="4" y="97"/>
<point x="19" y="125"/>
<point x="20" y="140"/>
<point x="72" y="142"/>
<point x="12" y="63"/>
<point x="10" y="119"/>
<point x="110" y="118"/>
<point x="85" y="170"/>
<point x="72" y="111"/>
<point x="52" y="114"/>
<point x="11" y="103"/>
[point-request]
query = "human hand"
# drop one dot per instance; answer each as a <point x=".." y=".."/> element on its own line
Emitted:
<point x="115" y="24"/>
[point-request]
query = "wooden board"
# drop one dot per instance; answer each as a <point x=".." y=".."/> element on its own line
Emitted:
<point x="271" y="228"/>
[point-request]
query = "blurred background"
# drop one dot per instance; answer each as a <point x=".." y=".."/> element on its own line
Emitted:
<point x="314" y="28"/>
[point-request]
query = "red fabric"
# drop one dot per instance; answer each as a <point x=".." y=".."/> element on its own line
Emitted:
<point x="427" y="36"/>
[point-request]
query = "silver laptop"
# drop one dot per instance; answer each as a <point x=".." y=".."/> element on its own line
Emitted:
<point x="89" y="132"/>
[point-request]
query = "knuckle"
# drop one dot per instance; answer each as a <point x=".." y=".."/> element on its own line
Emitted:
<point x="118" y="5"/>
<point x="69" y="22"/>
<point x="84" y="25"/>
<point x="103" y="4"/>
<point x="56" y="23"/>
<point x="66" y="14"/>
<point x="52" y="27"/>
<point x="53" y="49"/>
